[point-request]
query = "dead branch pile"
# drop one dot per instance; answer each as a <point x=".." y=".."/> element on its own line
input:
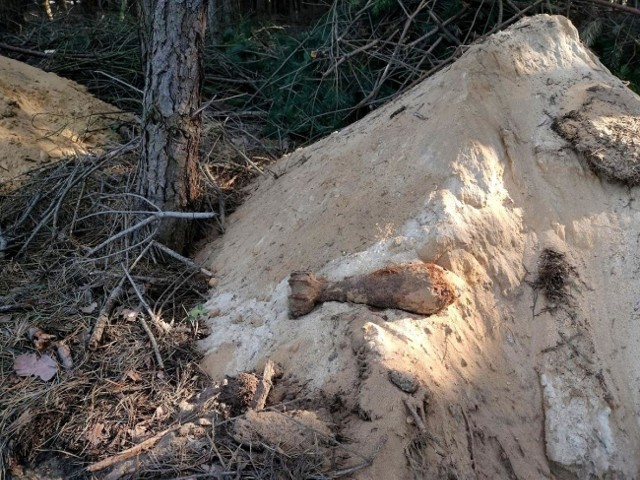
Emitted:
<point x="98" y="324"/>
<point x="85" y="286"/>
<point x="110" y="312"/>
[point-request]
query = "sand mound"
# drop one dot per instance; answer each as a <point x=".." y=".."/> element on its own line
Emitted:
<point x="532" y="372"/>
<point x="44" y="117"/>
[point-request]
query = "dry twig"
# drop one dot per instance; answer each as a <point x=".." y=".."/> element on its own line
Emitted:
<point x="181" y="258"/>
<point x="152" y="338"/>
<point x="264" y="387"/>
<point x="130" y="452"/>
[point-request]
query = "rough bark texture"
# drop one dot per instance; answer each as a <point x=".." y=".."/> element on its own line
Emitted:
<point x="172" y="44"/>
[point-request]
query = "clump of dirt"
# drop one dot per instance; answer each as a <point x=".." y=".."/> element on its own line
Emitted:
<point x="608" y="138"/>
<point x="238" y="392"/>
<point x="44" y="117"/>
<point x="295" y="431"/>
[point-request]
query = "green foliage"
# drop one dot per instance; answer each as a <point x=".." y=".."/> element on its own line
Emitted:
<point x="195" y="314"/>
<point x="383" y="6"/>
<point x="307" y="90"/>
<point x="303" y="102"/>
<point x="617" y="50"/>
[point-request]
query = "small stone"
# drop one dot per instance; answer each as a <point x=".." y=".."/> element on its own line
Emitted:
<point x="256" y="321"/>
<point x="404" y="381"/>
<point x="213" y="282"/>
<point x="204" y="422"/>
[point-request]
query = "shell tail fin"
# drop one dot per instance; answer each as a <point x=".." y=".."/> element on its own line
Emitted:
<point x="306" y="289"/>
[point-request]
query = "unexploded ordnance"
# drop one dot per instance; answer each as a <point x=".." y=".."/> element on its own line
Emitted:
<point x="422" y="288"/>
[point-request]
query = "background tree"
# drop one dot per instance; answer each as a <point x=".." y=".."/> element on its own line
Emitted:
<point x="172" y="42"/>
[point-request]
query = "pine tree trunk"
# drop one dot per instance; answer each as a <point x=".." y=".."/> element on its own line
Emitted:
<point x="46" y="6"/>
<point x="172" y="45"/>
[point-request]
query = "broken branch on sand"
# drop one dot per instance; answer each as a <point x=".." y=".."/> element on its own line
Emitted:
<point x="416" y="418"/>
<point x="264" y="387"/>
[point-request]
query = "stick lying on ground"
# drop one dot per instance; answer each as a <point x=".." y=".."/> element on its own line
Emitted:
<point x="264" y="387"/>
<point x="421" y="288"/>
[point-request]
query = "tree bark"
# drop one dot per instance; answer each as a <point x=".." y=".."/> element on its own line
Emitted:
<point x="46" y="6"/>
<point x="172" y="39"/>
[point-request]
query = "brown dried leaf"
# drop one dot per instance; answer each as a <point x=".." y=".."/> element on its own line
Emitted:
<point x="40" y="338"/>
<point x="133" y="375"/>
<point x="89" y="308"/>
<point x="29" y="364"/>
<point x="138" y="432"/>
<point x="64" y="354"/>
<point x="161" y="413"/>
<point x="95" y="435"/>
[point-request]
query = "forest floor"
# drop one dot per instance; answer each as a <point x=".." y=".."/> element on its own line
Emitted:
<point x="58" y="394"/>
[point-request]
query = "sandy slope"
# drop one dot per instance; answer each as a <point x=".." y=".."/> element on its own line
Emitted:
<point x="44" y="117"/>
<point x="480" y="184"/>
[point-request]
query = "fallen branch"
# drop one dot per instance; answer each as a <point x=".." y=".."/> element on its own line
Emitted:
<point x="122" y="82"/>
<point x="105" y="311"/>
<point x="348" y="55"/>
<point x="122" y="233"/>
<point x="443" y="28"/>
<point x="180" y="258"/>
<point x="152" y="217"/>
<point x="152" y="339"/>
<point x="25" y="51"/>
<point x="247" y="159"/>
<point x="103" y="316"/>
<point x="416" y="418"/>
<point x="157" y="321"/>
<point x="72" y="182"/>
<point x="344" y="471"/>
<point x="131" y="452"/>
<point x="459" y="52"/>
<point x="472" y="454"/>
<point x="614" y="6"/>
